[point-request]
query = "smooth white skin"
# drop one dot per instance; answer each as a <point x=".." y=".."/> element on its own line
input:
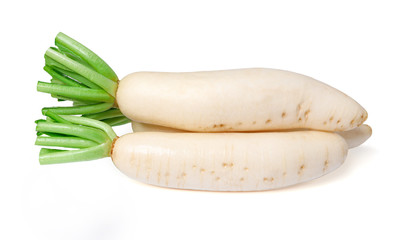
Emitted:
<point x="356" y="136"/>
<point x="353" y="138"/>
<point x="145" y="127"/>
<point x="228" y="161"/>
<point x="254" y="99"/>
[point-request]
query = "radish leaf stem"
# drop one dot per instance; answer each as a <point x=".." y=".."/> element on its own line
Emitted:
<point x="111" y="113"/>
<point x="65" y="42"/>
<point x="92" y="139"/>
<point x="83" y="109"/>
<point x="82" y="77"/>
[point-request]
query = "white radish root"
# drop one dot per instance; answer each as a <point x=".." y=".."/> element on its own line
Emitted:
<point x="356" y="136"/>
<point x="353" y="138"/>
<point x="237" y="100"/>
<point x="228" y="161"/>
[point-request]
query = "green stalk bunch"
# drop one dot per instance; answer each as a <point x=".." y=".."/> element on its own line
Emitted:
<point x="81" y="138"/>
<point x="81" y="76"/>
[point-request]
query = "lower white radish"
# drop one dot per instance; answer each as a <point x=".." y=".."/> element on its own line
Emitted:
<point x="353" y="138"/>
<point x="228" y="161"/>
<point x="202" y="161"/>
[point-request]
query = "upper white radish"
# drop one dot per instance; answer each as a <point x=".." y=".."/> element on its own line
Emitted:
<point x="254" y="99"/>
<point x="146" y="127"/>
<point x="228" y="161"/>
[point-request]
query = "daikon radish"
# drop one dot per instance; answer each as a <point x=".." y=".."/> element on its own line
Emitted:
<point x="255" y="99"/>
<point x="236" y="100"/>
<point x="228" y="161"/>
<point x="202" y="161"/>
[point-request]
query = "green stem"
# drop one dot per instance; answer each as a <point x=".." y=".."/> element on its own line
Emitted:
<point x="78" y="102"/>
<point x="48" y="156"/>
<point x="55" y="117"/>
<point x="65" y="42"/>
<point x="92" y="123"/>
<point x="51" y="134"/>
<point x="68" y="142"/>
<point x="61" y="78"/>
<point x="93" y="139"/>
<point x="105" y="83"/>
<point x="116" y="121"/>
<point x="79" y="78"/>
<point x="54" y="64"/>
<point x="86" y="132"/>
<point x="83" y="109"/>
<point x="76" y="93"/>
<point x="111" y="113"/>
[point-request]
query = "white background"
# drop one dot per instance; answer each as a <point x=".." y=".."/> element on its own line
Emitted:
<point x="363" y="48"/>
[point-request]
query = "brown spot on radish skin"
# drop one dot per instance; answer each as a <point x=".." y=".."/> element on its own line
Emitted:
<point x="241" y="179"/>
<point x="239" y="123"/>
<point x="284" y="174"/>
<point x="254" y="122"/>
<point x="246" y="169"/>
<point x="268" y="121"/>
<point x="212" y="172"/>
<point x="194" y="166"/>
<point x="224" y="165"/>
<point x="307" y="114"/>
<point x="352" y="122"/>
<point x="214" y="126"/>
<point x="337" y="122"/>
<point x="222" y="125"/>
<point x="300" y="119"/>
<point x="301" y="168"/>
<point x="324" y="123"/>
<point x="231" y="164"/>
<point x="265" y="179"/>
<point x="325" y="165"/>
<point x="331" y="118"/>
<point x="183" y="174"/>
<point x="272" y="179"/>
<point x="217" y="179"/>
<point x="202" y="170"/>
<point x="283" y="114"/>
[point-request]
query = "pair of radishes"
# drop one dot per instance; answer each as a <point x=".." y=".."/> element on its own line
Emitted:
<point x="261" y="126"/>
<point x="233" y="130"/>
